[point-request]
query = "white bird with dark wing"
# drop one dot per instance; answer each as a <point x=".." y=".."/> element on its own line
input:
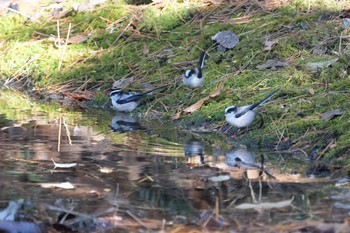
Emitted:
<point x="194" y="77"/>
<point x="127" y="101"/>
<point x="244" y="116"/>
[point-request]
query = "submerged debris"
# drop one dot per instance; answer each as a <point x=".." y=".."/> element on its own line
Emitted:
<point x="10" y="212"/>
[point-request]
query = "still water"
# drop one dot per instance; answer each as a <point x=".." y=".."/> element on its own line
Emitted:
<point x="155" y="176"/>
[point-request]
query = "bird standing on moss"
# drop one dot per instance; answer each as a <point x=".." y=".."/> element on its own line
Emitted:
<point x="194" y="77"/>
<point x="127" y="101"/>
<point x="244" y="116"/>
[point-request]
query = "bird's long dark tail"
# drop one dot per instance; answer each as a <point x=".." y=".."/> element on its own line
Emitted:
<point x="201" y="63"/>
<point x="201" y="60"/>
<point x="267" y="98"/>
<point x="157" y="88"/>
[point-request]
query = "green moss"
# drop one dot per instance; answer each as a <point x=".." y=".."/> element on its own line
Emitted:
<point x="156" y="43"/>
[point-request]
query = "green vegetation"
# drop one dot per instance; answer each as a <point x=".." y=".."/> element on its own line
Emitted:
<point x="155" y="43"/>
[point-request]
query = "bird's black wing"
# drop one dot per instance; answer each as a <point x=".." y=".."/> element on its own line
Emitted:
<point x="138" y="96"/>
<point x="251" y="107"/>
<point x="254" y="106"/>
<point x="131" y="98"/>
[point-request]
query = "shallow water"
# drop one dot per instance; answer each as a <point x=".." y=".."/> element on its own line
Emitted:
<point x="152" y="172"/>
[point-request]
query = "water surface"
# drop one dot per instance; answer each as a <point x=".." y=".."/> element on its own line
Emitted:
<point x="157" y="176"/>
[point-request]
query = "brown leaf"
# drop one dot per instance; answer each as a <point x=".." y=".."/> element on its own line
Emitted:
<point x="199" y="104"/>
<point x="77" y="39"/>
<point x="194" y="107"/>
<point x="226" y="39"/>
<point x="273" y="63"/>
<point x="176" y="116"/>
<point x="122" y="82"/>
<point x="331" y="114"/>
<point x="145" y="50"/>
<point x="311" y="91"/>
<point x="269" y="44"/>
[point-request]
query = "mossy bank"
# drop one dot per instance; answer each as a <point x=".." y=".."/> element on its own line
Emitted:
<point x="156" y="43"/>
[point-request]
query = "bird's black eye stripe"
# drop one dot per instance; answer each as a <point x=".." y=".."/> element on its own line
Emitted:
<point x="232" y="109"/>
<point x="115" y="92"/>
<point x="190" y="73"/>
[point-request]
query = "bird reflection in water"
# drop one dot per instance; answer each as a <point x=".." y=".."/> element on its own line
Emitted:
<point x="194" y="152"/>
<point x="252" y="170"/>
<point x="124" y="122"/>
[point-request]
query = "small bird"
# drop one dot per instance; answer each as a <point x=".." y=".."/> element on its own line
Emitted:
<point x="127" y="101"/>
<point x="194" y="77"/>
<point x="244" y="116"/>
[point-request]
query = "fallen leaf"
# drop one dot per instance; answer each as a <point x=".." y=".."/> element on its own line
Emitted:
<point x="194" y="107"/>
<point x="64" y="185"/>
<point x="63" y="165"/>
<point x="269" y="44"/>
<point x="122" y="82"/>
<point x="314" y="66"/>
<point x="273" y="63"/>
<point x="199" y="104"/>
<point x="265" y="205"/>
<point x="226" y="39"/>
<point x="345" y="22"/>
<point x="331" y="114"/>
<point x="77" y="39"/>
<point x="219" y="178"/>
<point x="145" y="50"/>
<point x="106" y="170"/>
<point x="176" y="116"/>
<point x="311" y="91"/>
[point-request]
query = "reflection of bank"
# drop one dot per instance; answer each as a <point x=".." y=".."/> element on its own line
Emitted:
<point x="194" y="152"/>
<point x="124" y="122"/>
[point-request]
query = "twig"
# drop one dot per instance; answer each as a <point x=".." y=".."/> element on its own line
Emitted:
<point x="58" y="32"/>
<point x="122" y="33"/>
<point x="137" y="220"/>
<point x="208" y="220"/>
<point x="67" y="132"/>
<point x="252" y="191"/>
<point x="65" y="47"/>
<point x="59" y="134"/>
<point x="18" y="71"/>
<point x="81" y="215"/>
<point x="325" y="149"/>
<point x="217" y="211"/>
<point x="340" y="42"/>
